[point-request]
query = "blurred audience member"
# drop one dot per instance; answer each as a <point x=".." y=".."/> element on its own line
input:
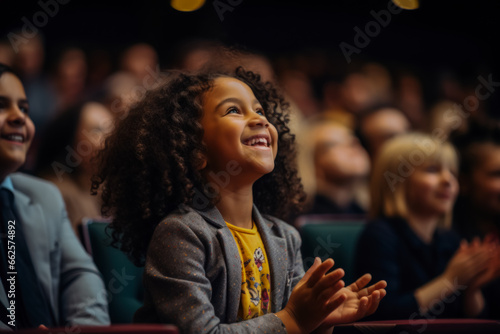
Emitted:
<point x="446" y="117"/>
<point x="66" y="153"/>
<point x="141" y="60"/>
<point x="100" y="68"/>
<point x="70" y="77"/>
<point x="29" y="63"/>
<point x="429" y="272"/>
<point x="7" y="55"/>
<point x="379" y="124"/>
<point x="364" y="88"/>
<point x="409" y="98"/>
<point x="193" y="55"/>
<point x="477" y="211"/>
<point x="478" y="206"/>
<point x="341" y="165"/>
<point x="119" y="92"/>
<point x="467" y="85"/>
<point x="57" y="284"/>
<point x="298" y="88"/>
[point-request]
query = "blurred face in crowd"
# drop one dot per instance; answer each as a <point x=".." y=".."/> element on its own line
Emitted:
<point x="141" y="60"/>
<point x="96" y="122"/>
<point x="482" y="186"/>
<point x="383" y="125"/>
<point x="338" y="154"/>
<point x="16" y="128"/>
<point x="432" y="189"/>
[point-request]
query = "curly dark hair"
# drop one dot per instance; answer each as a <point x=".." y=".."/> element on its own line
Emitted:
<point x="149" y="165"/>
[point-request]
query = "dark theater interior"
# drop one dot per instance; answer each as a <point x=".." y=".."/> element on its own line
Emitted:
<point x="249" y="166"/>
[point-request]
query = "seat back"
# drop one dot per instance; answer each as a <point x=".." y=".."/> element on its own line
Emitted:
<point x="328" y="236"/>
<point x="123" y="280"/>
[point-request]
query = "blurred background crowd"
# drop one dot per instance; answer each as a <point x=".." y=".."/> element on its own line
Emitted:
<point x="355" y="73"/>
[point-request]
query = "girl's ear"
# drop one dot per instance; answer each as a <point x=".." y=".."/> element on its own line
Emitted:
<point x="202" y="161"/>
<point x="203" y="164"/>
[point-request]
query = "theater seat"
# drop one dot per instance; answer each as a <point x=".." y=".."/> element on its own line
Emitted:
<point x="328" y="236"/>
<point x="123" y="280"/>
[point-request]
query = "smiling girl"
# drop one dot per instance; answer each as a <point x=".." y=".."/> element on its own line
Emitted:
<point x="194" y="179"/>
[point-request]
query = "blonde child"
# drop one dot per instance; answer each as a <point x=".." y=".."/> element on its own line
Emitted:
<point x="430" y="273"/>
<point x="194" y="180"/>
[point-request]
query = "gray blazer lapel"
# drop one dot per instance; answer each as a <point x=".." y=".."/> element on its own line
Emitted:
<point x="37" y="238"/>
<point x="277" y="256"/>
<point x="233" y="261"/>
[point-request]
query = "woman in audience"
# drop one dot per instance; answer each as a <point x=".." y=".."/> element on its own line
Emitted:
<point x="430" y="273"/>
<point x="65" y="156"/>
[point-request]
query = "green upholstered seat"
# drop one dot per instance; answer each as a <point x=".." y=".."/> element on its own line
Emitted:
<point x="123" y="280"/>
<point x="328" y="236"/>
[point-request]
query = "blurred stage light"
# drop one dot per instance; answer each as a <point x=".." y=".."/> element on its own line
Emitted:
<point x="187" y="5"/>
<point x="406" y="4"/>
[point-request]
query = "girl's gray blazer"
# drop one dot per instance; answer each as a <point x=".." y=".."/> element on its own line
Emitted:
<point x="192" y="275"/>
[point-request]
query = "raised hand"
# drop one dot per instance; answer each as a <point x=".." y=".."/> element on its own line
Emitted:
<point x="313" y="298"/>
<point x="359" y="301"/>
<point x="468" y="263"/>
<point x="492" y="270"/>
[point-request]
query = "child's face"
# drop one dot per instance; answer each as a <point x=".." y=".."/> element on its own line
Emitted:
<point x="432" y="189"/>
<point x="16" y="128"/>
<point x="236" y="129"/>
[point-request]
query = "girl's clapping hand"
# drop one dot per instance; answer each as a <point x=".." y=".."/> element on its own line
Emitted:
<point x="314" y="298"/>
<point x="360" y="301"/>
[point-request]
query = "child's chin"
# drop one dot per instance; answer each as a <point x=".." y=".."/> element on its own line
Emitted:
<point x="263" y="170"/>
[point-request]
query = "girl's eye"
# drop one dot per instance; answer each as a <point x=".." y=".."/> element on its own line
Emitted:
<point x="260" y="112"/>
<point x="232" y="110"/>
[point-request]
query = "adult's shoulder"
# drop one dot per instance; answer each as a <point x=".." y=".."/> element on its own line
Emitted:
<point x="37" y="189"/>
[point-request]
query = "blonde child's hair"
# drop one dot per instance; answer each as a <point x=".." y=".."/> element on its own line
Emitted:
<point x="394" y="164"/>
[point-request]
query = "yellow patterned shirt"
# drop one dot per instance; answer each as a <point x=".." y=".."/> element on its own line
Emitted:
<point x="255" y="275"/>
